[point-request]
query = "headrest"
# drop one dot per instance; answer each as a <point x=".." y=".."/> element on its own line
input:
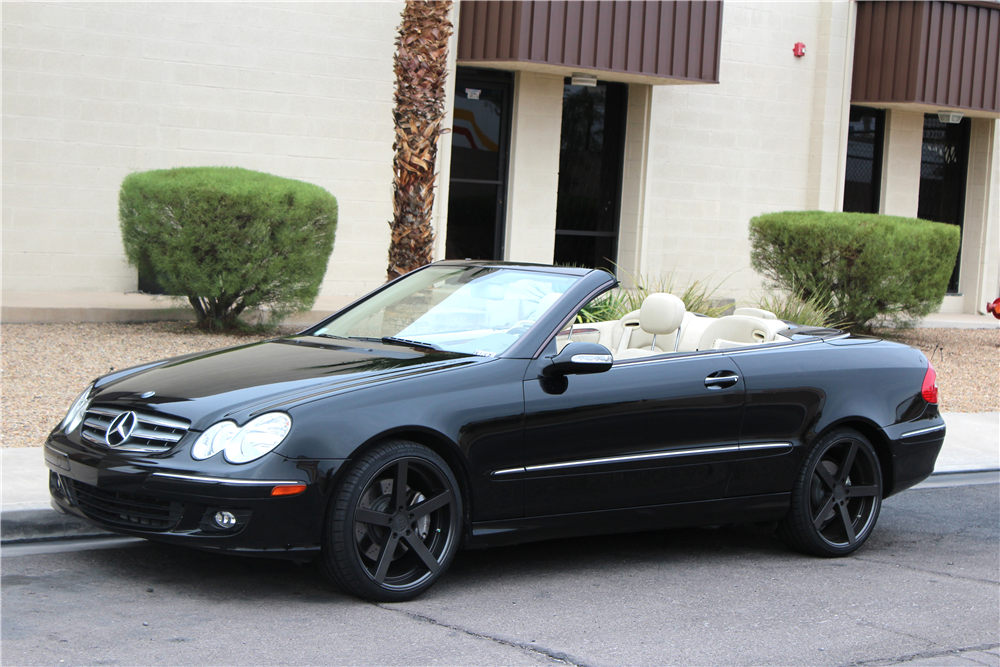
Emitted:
<point x="755" y="312"/>
<point x="661" y="314"/>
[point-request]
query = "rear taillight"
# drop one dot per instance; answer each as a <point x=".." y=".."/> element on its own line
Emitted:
<point x="929" y="389"/>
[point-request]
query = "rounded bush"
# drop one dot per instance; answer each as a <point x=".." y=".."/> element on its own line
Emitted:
<point x="867" y="266"/>
<point x="229" y="239"/>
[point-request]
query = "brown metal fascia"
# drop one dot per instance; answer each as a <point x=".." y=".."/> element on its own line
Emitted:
<point x="919" y="34"/>
<point x="985" y="4"/>
<point x="648" y="40"/>
<point x="930" y="52"/>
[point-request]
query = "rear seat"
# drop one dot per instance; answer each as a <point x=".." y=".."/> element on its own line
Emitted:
<point x="740" y="331"/>
<point x="734" y="331"/>
<point x="691" y="330"/>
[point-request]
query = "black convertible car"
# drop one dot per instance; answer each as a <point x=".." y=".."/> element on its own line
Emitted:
<point x="464" y="405"/>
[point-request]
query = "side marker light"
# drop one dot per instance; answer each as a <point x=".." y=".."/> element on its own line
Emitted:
<point x="288" y="490"/>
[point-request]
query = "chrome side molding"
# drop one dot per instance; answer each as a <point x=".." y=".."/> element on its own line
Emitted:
<point x="700" y="451"/>
<point x="922" y="431"/>
<point x="226" y="480"/>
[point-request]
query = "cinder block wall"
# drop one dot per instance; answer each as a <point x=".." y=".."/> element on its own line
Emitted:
<point x="767" y="138"/>
<point x="94" y="91"/>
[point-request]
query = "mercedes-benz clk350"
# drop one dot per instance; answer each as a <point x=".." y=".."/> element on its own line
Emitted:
<point x="467" y="405"/>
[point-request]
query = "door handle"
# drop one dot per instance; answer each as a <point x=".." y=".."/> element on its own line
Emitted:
<point x="720" y="381"/>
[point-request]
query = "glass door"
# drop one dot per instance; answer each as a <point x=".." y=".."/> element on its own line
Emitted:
<point x="590" y="174"/>
<point x="480" y="147"/>
<point x="943" y="163"/>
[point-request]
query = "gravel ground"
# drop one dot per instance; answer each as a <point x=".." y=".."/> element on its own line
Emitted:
<point x="967" y="362"/>
<point x="45" y="366"/>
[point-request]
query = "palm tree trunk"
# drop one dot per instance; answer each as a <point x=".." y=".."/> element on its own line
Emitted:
<point x="420" y="66"/>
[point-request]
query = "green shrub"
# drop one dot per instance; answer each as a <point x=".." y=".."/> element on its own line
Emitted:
<point x="871" y="266"/>
<point x="229" y="239"/>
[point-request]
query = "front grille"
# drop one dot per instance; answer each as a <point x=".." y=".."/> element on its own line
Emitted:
<point x="123" y="509"/>
<point x="152" y="432"/>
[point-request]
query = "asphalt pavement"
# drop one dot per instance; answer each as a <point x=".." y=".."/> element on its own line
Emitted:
<point x="921" y="592"/>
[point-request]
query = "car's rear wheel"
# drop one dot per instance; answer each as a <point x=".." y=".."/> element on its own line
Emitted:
<point x="836" y="498"/>
<point x="394" y="523"/>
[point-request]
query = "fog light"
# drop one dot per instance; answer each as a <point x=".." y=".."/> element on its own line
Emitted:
<point x="224" y="519"/>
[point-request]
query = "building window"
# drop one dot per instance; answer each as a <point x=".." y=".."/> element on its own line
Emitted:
<point x="480" y="147"/>
<point x="863" y="180"/>
<point x="590" y="174"/>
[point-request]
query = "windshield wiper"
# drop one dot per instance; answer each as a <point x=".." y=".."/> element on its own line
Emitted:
<point x="369" y="340"/>
<point x="392" y="340"/>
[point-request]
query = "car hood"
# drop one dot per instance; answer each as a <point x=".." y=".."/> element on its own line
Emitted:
<point x="205" y="387"/>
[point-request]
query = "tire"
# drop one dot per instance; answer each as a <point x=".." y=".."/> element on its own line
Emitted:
<point x="420" y="531"/>
<point x="836" y="498"/>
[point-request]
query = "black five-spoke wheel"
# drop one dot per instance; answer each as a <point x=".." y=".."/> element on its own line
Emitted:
<point x="394" y="524"/>
<point x="837" y="496"/>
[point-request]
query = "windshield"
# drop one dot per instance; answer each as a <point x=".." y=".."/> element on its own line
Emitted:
<point x="475" y="310"/>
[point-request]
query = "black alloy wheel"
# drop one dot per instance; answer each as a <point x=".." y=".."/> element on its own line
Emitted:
<point x="394" y="523"/>
<point x="836" y="498"/>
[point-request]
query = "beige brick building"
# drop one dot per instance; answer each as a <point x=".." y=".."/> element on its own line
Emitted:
<point x="647" y="134"/>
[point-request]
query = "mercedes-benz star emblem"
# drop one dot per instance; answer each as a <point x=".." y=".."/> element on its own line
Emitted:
<point x="121" y="428"/>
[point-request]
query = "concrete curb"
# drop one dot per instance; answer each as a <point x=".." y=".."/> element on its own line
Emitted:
<point x="28" y="524"/>
<point x="42" y="315"/>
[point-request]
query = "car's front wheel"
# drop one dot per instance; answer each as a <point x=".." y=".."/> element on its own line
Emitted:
<point x="394" y="523"/>
<point x="836" y="498"/>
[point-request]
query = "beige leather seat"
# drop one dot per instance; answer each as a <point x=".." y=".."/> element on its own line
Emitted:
<point x="735" y="331"/>
<point x="691" y="330"/>
<point x="661" y="316"/>
<point x="755" y="312"/>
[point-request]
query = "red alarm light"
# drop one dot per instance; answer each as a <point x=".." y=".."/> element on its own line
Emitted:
<point x="799" y="49"/>
<point x="993" y="308"/>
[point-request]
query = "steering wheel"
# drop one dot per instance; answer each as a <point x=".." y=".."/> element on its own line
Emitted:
<point x="520" y="327"/>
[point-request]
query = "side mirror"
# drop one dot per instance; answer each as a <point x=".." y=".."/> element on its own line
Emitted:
<point x="579" y="359"/>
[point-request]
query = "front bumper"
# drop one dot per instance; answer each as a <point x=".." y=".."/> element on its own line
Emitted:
<point x="157" y="499"/>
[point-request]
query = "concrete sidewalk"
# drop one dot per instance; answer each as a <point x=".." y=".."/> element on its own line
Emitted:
<point x="959" y="321"/>
<point x="63" y="307"/>
<point x="972" y="445"/>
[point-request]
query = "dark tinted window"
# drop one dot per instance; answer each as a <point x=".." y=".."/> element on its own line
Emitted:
<point x="943" y="163"/>
<point x="479" y="149"/>
<point x="590" y="174"/>
<point x="863" y="180"/>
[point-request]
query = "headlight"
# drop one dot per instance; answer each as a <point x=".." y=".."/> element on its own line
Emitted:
<point x="258" y="437"/>
<point x="242" y="445"/>
<point x="76" y="411"/>
<point x="213" y="440"/>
